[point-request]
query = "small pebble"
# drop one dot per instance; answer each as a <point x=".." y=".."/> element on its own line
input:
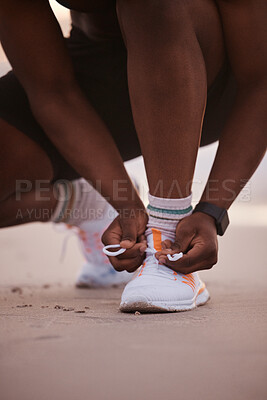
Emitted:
<point x="23" y="305"/>
<point x="57" y="307"/>
<point x="68" y="309"/>
<point x="137" y="313"/>
<point x="46" y="286"/>
<point x="80" y="311"/>
<point x="16" y="290"/>
<point x="87" y="308"/>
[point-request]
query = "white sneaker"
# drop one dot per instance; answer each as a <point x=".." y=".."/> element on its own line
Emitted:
<point x="97" y="271"/>
<point x="157" y="288"/>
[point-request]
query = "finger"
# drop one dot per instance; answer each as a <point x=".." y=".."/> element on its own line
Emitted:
<point x="162" y="253"/>
<point x="112" y="234"/>
<point x="166" y="244"/>
<point x="129" y="265"/>
<point x="142" y="240"/>
<point x="134" y="252"/>
<point x="129" y="233"/>
<point x="183" y="239"/>
<point x="196" y="259"/>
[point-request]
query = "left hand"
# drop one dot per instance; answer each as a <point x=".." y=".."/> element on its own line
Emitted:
<point x="196" y="237"/>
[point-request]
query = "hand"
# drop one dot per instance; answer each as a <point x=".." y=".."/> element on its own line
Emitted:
<point x="128" y="231"/>
<point x="196" y="237"/>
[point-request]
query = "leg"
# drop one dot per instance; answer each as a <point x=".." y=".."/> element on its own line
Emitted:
<point x="168" y="85"/>
<point x="22" y="159"/>
<point x="25" y="154"/>
<point x="170" y="68"/>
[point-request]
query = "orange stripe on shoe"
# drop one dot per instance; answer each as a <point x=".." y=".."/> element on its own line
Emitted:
<point x="142" y="269"/>
<point x="157" y="239"/>
<point x="201" y="289"/>
<point x="190" y="279"/>
<point x="186" y="277"/>
<point x="189" y="284"/>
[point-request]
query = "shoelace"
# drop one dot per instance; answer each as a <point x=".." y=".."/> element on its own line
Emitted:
<point x="149" y="251"/>
<point x="153" y="263"/>
<point x="70" y="231"/>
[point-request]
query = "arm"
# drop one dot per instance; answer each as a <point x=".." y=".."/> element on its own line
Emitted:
<point x="34" y="44"/>
<point x="244" y="139"/>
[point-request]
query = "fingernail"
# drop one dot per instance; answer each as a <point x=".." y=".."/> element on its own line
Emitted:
<point x="126" y="244"/>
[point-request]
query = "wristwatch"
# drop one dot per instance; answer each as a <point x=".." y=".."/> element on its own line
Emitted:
<point x="219" y="214"/>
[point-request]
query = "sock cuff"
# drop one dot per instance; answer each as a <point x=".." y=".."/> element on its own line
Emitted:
<point x="169" y="209"/>
<point x="170" y="204"/>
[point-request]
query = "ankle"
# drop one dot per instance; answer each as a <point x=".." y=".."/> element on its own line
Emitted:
<point x="165" y="214"/>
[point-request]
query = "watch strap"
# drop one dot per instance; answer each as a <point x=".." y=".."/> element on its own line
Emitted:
<point x="219" y="214"/>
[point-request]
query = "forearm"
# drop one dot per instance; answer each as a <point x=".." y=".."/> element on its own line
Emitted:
<point x="85" y="142"/>
<point x="241" y="147"/>
<point x="34" y="44"/>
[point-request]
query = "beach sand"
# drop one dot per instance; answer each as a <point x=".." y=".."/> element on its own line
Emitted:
<point x="63" y="343"/>
<point x="91" y="350"/>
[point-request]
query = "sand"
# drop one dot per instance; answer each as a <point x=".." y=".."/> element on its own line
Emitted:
<point x="91" y="350"/>
<point x="62" y="343"/>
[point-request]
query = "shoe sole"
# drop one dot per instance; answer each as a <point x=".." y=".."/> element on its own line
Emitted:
<point x="160" y="307"/>
<point x="81" y="285"/>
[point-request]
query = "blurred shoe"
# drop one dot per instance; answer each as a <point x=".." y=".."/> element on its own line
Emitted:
<point x="89" y="214"/>
<point x="157" y="288"/>
<point x="97" y="271"/>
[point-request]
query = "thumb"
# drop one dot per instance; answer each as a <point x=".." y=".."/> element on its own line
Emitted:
<point x="182" y="241"/>
<point x="129" y="233"/>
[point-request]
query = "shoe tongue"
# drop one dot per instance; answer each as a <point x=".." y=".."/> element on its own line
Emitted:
<point x="154" y="238"/>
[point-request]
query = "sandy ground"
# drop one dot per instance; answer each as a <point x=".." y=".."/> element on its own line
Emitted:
<point x="95" y="352"/>
<point x="215" y="352"/>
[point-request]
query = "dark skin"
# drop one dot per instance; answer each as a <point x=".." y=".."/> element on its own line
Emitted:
<point x="55" y="98"/>
<point x="180" y="115"/>
<point x="61" y="109"/>
<point x="152" y="31"/>
<point x="243" y="142"/>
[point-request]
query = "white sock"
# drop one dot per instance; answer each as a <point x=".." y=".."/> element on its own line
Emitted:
<point x="165" y="214"/>
<point x="79" y="202"/>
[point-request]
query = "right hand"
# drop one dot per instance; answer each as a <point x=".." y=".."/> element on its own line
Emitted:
<point x="129" y="232"/>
